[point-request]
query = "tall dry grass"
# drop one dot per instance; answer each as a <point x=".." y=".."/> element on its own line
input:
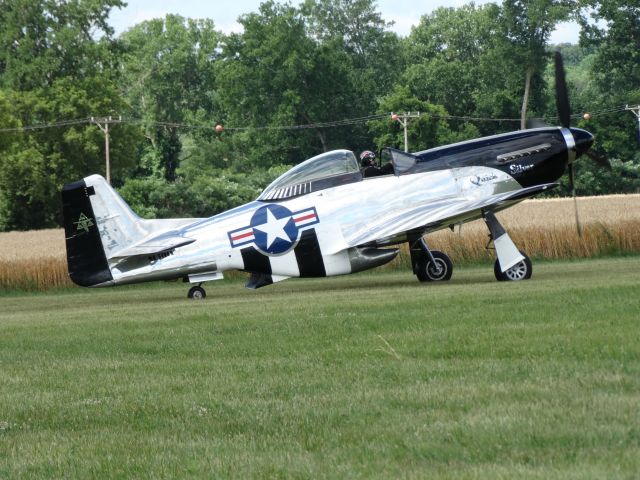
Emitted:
<point x="36" y="260"/>
<point x="547" y="229"/>
<point x="33" y="260"/>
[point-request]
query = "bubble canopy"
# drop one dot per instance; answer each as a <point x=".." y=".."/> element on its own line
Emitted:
<point x="328" y="169"/>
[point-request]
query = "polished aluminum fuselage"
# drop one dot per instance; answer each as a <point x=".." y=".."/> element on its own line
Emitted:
<point x="338" y="228"/>
<point x="376" y="210"/>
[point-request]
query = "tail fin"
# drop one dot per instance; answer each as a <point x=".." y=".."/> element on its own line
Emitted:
<point x="97" y="221"/>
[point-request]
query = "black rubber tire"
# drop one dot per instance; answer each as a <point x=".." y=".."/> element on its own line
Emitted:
<point x="197" y="293"/>
<point x="426" y="272"/>
<point x="520" y="271"/>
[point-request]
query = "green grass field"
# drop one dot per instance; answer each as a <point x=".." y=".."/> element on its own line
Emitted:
<point x="366" y="376"/>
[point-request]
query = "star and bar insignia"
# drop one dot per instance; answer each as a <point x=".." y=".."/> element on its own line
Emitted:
<point x="274" y="229"/>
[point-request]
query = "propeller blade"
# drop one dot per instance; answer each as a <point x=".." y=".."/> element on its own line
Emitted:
<point x="601" y="160"/>
<point x="562" y="96"/>
<point x="572" y="179"/>
<point x="572" y="184"/>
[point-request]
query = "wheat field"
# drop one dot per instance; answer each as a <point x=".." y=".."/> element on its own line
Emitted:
<point x="546" y="228"/>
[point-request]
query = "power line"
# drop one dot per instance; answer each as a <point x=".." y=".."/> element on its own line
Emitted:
<point x="335" y="123"/>
<point x="41" y="126"/>
<point x="603" y="112"/>
<point x="330" y="124"/>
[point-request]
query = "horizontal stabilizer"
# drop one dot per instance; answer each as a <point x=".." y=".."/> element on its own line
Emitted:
<point x="153" y="246"/>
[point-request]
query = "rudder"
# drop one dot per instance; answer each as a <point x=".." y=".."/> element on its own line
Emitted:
<point x="86" y="258"/>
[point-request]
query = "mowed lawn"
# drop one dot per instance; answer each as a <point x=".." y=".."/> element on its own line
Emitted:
<point x="365" y="376"/>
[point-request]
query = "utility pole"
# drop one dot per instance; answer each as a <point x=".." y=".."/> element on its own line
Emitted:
<point x="636" y="111"/>
<point x="404" y="121"/>
<point x="99" y="121"/>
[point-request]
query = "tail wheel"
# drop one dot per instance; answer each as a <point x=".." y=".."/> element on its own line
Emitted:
<point x="520" y="271"/>
<point x="440" y="271"/>
<point x="197" y="293"/>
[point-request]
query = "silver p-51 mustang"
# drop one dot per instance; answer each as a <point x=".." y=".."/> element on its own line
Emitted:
<point x="324" y="217"/>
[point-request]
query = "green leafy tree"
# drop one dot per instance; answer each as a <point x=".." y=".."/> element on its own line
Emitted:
<point x="357" y="28"/>
<point x="445" y="51"/>
<point x="41" y="161"/>
<point x="429" y="130"/>
<point x="458" y="59"/>
<point x="615" y="72"/>
<point x="44" y="40"/>
<point x="269" y="78"/>
<point x="9" y="145"/>
<point x="354" y="34"/>
<point x="168" y="78"/>
<point x="303" y="67"/>
<point x="527" y="26"/>
<point x="58" y="62"/>
<point x="613" y="27"/>
<point x="608" y="76"/>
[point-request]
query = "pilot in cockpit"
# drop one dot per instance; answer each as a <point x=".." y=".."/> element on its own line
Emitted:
<point x="369" y="168"/>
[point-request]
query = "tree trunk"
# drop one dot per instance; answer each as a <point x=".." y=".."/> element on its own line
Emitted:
<point x="323" y="140"/>
<point x="525" y="98"/>
<point x="321" y="136"/>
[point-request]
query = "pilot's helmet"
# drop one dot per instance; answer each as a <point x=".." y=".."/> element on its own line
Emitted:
<point x="367" y="158"/>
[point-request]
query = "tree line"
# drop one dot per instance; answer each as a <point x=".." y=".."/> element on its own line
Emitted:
<point x="469" y="71"/>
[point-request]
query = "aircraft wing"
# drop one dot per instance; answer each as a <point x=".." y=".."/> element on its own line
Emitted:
<point x="437" y="214"/>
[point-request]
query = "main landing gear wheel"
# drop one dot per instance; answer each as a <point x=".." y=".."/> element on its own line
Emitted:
<point x="520" y="271"/>
<point x="197" y="293"/>
<point x="441" y="271"/>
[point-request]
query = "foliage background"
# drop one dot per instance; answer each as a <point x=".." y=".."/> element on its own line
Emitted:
<point x="173" y="79"/>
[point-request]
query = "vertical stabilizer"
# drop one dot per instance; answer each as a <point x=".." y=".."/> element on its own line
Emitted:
<point x="97" y="223"/>
<point x="119" y="226"/>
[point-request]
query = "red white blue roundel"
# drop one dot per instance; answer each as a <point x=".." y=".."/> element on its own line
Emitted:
<point x="274" y="229"/>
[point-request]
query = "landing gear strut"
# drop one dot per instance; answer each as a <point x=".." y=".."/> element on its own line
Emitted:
<point x="429" y="265"/>
<point x="197" y="292"/>
<point x="512" y="264"/>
